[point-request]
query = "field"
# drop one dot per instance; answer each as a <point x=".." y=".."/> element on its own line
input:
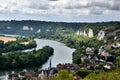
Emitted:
<point x="6" y="39"/>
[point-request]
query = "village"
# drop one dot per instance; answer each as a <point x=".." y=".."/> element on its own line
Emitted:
<point x="90" y="61"/>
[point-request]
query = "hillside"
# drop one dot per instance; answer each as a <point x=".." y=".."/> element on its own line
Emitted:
<point x="45" y="29"/>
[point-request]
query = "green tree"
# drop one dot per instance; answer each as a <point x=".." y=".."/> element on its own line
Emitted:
<point x="64" y="75"/>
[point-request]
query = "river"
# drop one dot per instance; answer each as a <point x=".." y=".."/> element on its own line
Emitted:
<point x="62" y="54"/>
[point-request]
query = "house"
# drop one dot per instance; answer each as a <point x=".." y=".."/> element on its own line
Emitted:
<point x="13" y="76"/>
<point x="31" y="75"/>
<point x="44" y="74"/>
<point x="22" y="74"/>
<point x="103" y="52"/>
<point x="68" y="66"/>
<point x="27" y="75"/>
<point x="109" y="65"/>
<point x="84" y="58"/>
<point x="50" y="72"/>
<point x="90" y="50"/>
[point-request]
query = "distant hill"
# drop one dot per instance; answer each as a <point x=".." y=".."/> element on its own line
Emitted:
<point x="51" y="29"/>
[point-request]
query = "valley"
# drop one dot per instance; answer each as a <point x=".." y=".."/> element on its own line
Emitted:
<point x="97" y="45"/>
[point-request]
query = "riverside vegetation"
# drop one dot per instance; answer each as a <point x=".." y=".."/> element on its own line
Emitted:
<point x="11" y="56"/>
<point x="16" y="60"/>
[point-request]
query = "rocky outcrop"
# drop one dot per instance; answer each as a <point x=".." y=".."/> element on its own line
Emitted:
<point x="31" y="28"/>
<point x="8" y="27"/>
<point x="78" y="33"/>
<point x="26" y="28"/>
<point x="101" y="35"/>
<point x="38" y="31"/>
<point x="89" y="33"/>
<point x="84" y="34"/>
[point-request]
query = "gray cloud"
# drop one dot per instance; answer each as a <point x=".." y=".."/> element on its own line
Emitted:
<point x="61" y="7"/>
<point x="53" y="0"/>
<point x="37" y="4"/>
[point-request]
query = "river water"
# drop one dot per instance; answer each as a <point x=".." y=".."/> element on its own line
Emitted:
<point x="62" y="54"/>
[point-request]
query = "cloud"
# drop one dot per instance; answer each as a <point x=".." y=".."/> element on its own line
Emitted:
<point x="61" y="7"/>
<point x="52" y="0"/>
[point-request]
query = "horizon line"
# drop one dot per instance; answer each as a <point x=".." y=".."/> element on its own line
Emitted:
<point x="62" y="21"/>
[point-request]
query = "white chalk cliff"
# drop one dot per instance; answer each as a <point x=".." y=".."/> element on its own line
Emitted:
<point x="31" y="28"/>
<point x="78" y="33"/>
<point x="38" y="31"/>
<point x="101" y="35"/>
<point x="90" y="33"/>
<point x="84" y="34"/>
<point x="26" y="28"/>
<point x="81" y="33"/>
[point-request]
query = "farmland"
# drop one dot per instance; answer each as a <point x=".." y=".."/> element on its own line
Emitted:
<point x="7" y="39"/>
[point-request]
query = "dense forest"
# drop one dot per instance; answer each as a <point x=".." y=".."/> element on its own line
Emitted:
<point x="14" y="60"/>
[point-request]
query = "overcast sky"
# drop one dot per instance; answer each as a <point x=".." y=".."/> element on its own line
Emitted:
<point x="60" y="10"/>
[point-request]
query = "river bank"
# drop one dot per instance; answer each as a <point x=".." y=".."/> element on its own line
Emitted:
<point x="62" y="53"/>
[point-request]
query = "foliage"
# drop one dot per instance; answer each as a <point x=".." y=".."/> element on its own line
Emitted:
<point x="64" y="75"/>
<point x="111" y="75"/>
<point x="84" y="73"/>
<point x="15" y="60"/>
<point x="16" y="45"/>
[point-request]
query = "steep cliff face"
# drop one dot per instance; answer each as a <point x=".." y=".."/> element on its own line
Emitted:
<point x="26" y="28"/>
<point x="101" y="35"/>
<point x="84" y="34"/>
<point x="78" y="32"/>
<point x="89" y="33"/>
<point x="109" y="34"/>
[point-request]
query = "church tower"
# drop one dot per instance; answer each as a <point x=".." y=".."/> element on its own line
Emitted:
<point x="50" y="65"/>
